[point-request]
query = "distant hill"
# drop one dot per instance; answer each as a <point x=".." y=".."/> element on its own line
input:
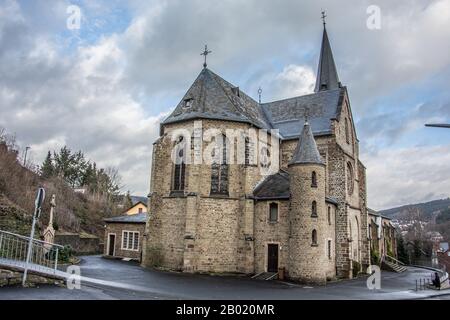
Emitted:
<point x="427" y="209"/>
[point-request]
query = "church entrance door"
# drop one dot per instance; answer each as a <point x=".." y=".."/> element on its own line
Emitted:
<point x="272" y="257"/>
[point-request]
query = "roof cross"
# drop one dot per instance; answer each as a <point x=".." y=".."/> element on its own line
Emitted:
<point x="323" y="18"/>
<point x="205" y="53"/>
<point x="306" y="113"/>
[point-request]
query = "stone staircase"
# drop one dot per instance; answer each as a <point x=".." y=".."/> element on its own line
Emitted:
<point x="266" y="276"/>
<point x="392" y="264"/>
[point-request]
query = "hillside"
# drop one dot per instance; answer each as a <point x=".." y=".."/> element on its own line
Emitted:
<point x="436" y="213"/>
<point x="427" y="210"/>
<point x="74" y="212"/>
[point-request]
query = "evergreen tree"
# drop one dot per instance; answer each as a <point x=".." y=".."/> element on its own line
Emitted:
<point x="128" y="200"/>
<point x="47" y="168"/>
<point x="402" y="253"/>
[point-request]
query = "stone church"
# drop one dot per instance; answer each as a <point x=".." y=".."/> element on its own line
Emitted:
<point x="308" y="217"/>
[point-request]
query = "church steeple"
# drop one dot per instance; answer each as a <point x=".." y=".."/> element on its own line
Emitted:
<point x="327" y="77"/>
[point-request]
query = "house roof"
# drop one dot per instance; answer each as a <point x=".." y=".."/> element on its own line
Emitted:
<point x="306" y="151"/>
<point x="376" y="214"/>
<point x="277" y="186"/>
<point x="132" y="218"/>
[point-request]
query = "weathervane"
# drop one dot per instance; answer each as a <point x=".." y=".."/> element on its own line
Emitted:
<point x="306" y="114"/>
<point x="205" y="53"/>
<point x="323" y="18"/>
<point x="259" y="94"/>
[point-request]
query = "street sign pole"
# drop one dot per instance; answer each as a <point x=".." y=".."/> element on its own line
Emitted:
<point x="37" y="212"/>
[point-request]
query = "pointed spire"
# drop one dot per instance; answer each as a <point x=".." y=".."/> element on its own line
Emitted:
<point x="327" y="77"/>
<point x="306" y="151"/>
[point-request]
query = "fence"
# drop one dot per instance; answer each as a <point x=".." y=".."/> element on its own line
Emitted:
<point x="13" y="252"/>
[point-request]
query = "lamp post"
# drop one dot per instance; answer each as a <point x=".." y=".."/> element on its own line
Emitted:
<point x="37" y="212"/>
<point x="25" y="157"/>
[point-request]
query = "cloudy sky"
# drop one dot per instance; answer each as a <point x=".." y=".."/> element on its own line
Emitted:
<point x="104" y="88"/>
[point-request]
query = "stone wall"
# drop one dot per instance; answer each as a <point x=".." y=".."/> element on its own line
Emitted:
<point x="117" y="229"/>
<point x="80" y="243"/>
<point x="271" y="232"/>
<point x="307" y="259"/>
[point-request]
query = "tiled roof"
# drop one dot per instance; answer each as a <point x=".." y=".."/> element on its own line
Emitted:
<point x="277" y="186"/>
<point x="132" y="218"/>
<point x="288" y="115"/>
<point x="306" y="150"/>
<point x="211" y="97"/>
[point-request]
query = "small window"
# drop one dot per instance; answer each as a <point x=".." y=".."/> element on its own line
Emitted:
<point x="314" y="209"/>
<point x="314" y="237"/>
<point x="273" y="212"/>
<point x="350" y="179"/>
<point x="314" y="179"/>
<point x="329" y="249"/>
<point x="140" y="210"/>
<point x="130" y="240"/>
<point x="188" y="103"/>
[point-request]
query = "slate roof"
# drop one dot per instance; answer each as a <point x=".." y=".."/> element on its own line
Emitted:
<point x="306" y="151"/>
<point x="327" y="76"/>
<point x="132" y="218"/>
<point x="211" y="97"/>
<point x="288" y="115"/>
<point x="277" y="186"/>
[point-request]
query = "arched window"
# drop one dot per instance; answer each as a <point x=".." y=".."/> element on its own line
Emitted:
<point x="179" y="170"/>
<point x="314" y="209"/>
<point x="350" y="178"/>
<point x="347" y="131"/>
<point x="219" y="169"/>
<point x="314" y="179"/>
<point x="247" y="151"/>
<point x="329" y="215"/>
<point x="273" y="212"/>
<point x="329" y="249"/>
<point x="314" y="237"/>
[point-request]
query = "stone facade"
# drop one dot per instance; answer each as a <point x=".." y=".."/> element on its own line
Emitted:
<point x="117" y="230"/>
<point x="192" y="228"/>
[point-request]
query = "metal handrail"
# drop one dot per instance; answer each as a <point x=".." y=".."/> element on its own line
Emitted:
<point x="14" y="247"/>
<point x="393" y="260"/>
<point x="34" y="240"/>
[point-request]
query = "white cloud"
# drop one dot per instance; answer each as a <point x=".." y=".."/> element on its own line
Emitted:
<point x="403" y="176"/>
<point x="107" y="96"/>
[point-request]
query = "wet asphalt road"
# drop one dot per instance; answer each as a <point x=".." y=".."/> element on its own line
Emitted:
<point x="135" y="282"/>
